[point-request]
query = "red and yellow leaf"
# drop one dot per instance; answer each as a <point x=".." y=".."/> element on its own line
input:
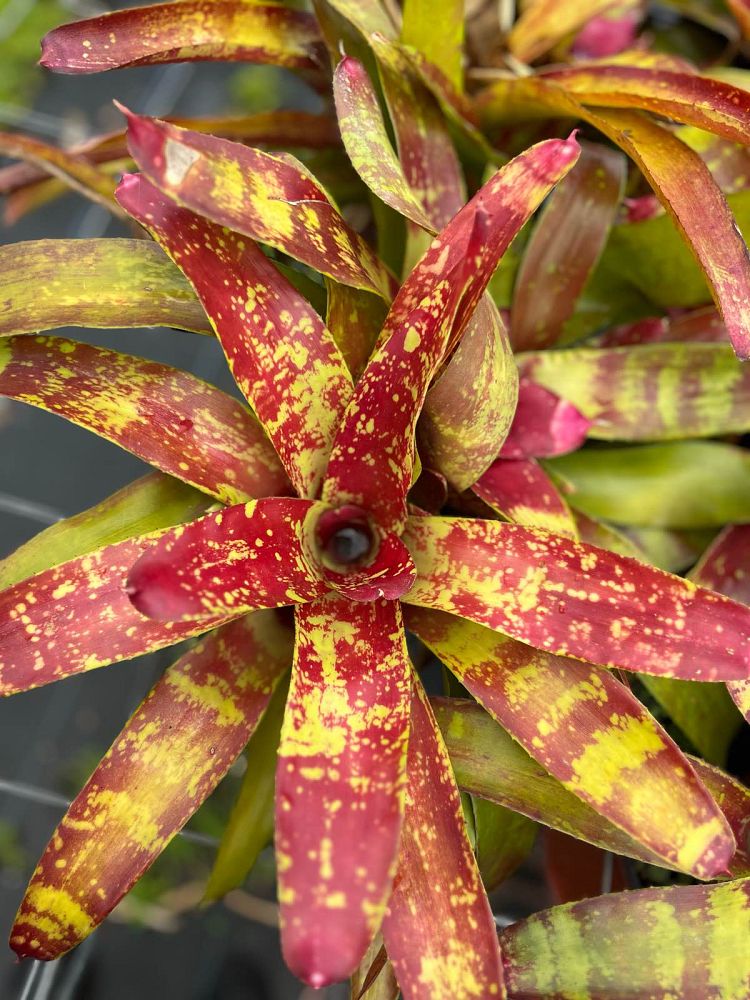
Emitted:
<point x="684" y="941"/>
<point x="270" y="198"/>
<point x="340" y="782"/>
<point x="650" y="392"/>
<point x="572" y="599"/>
<point x="371" y="461"/>
<point x="439" y="931"/>
<point x="428" y="158"/>
<point x="169" y="757"/>
<point x="165" y="416"/>
<point x="565" y="247"/>
<point x="521" y="491"/>
<point x="282" y="356"/>
<point x="78" y="616"/>
<point x="93" y="283"/>
<point x="216" y="30"/>
<point x="241" y="559"/>
<point x="543" y="424"/>
<point x="588" y="731"/>
<point x="489" y="763"/>
<point x="469" y="409"/>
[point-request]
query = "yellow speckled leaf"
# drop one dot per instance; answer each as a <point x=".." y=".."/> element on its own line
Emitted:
<point x="169" y="757"/>
<point x="93" y="283"/>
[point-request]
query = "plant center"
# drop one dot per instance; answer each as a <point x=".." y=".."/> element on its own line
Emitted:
<point x="345" y="536"/>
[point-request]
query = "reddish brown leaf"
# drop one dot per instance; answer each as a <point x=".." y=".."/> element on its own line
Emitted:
<point x="521" y="491"/>
<point x="565" y="246"/>
<point x="243" y="558"/>
<point x="588" y="731"/>
<point x="271" y="198"/>
<point x="76" y="617"/>
<point x="227" y="30"/>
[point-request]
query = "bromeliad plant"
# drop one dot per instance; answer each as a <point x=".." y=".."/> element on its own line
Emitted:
<point x="391" y="473"/>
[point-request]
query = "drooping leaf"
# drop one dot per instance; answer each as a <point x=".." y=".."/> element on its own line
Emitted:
<point x="588" y="731"/>
<point x="93" y="283"/>
<point x="165" y="416"/>
<point x="153" y="502"/>
<point x="708" y="104"/>
<point x="521" y="491"/>
<point x="169" y="757"/>
<point x="220" y="30"/>
<point x="565" y="246"/>
<point x="77" y="616"/>
<point x="282" y="356"/>
<point x="366" y="140"/>
<point x="438" y="930"/>
<point x="243" y="558"/>
<point x="250" y="826"/>
<point x="433" y="305"/>
<point x="488" y="762"/>
<point x="679" y="177"/>
<point x="650" y="392"/>
<point x="271" y="198"/>
<point x="546" y="22"/>
<point x="75" y="171"/>
<point x="469" y="408"/>
<point x="340" y="782"/>
<point x="543" y="424"/>
<point x="680" y="484"/>
<point x="540" y="588"/>
<point x="685" y="941"/>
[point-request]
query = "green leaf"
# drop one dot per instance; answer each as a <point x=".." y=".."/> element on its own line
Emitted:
<point x="655" y="944"/>
<point x="438" y="38"/>
<point x="250" y="825"/>
<point x="686" y="484"/>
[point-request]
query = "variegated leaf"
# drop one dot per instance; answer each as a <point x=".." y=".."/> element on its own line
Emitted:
<point x="165" y="416"/>
<point x="588" y="731"/>
<point x="93" y="283"/>
<point x="573" y="599"/>
<point x="439" y="931"/>
<point x="282" y="356"/>
<point x="169" y="757"/>
<point x="340" y="782"/>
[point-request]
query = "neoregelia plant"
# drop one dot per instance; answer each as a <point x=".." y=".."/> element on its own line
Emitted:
<point x="392" y="473"/>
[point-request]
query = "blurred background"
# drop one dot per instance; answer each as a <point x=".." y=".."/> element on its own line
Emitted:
<point x="158" y="943"/>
